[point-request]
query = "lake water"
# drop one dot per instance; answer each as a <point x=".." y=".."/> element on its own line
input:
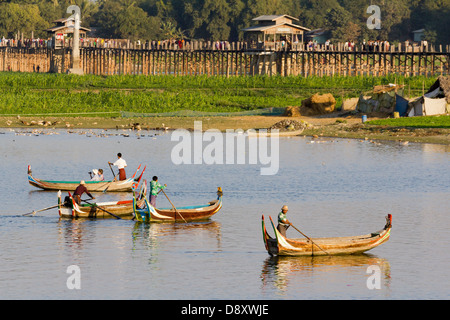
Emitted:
<point x="333" y="187"/>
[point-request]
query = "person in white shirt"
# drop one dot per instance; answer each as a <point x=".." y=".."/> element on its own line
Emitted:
<point x="97" y="175"/>
<point x="121" y="164"/>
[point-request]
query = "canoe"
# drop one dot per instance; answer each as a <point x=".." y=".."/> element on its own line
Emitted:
<point x="92" y="186"/>
<point x="283" y="246"/>
<point x="267" y="133"/>
<point x="183" y="214"/>
<point x="124" y="209"/>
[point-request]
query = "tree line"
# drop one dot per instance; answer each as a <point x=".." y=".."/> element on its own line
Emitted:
<point x="224" y="19"/>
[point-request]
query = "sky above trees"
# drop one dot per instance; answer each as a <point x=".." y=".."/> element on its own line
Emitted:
<point x="224" y="19"/>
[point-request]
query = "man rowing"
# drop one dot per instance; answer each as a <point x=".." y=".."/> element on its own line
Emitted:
<point x="283" y="222"/>
<point x="79" y="192"/>
<point x="120" y="163"/>
<point x="155" y="187"/>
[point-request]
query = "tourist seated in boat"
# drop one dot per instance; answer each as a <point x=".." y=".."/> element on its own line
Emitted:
<point x="283" y="222"/>
<point x="155" y="187"/>
<point x="97" y="175"/>
<point x="120" y="163"/>
<point x="79" y="192"/>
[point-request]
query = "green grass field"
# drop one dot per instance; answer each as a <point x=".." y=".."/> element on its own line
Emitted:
<point x="37" y="94"/>
<point x="442" y="121"/>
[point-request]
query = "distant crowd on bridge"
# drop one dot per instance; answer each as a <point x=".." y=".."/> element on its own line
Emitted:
<point x="311" y="45"/>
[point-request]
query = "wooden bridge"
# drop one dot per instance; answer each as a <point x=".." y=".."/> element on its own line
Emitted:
<point x="231" y="59"/>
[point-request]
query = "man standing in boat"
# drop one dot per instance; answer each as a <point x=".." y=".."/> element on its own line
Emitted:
<point x="121" y="164"/>
<point x="155" y="187"/>
<point x="283" y="222"/>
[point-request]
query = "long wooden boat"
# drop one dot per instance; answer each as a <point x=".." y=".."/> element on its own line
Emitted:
<point x="268" y="133"/>
<point x="283" y="246"/>
<point x="92" y="186"/>
<point x="182" y="214"/>
<point x="123" y="209"/>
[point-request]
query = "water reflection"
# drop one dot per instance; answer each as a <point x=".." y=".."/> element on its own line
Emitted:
<point x="73" y="233"/>
<point x="278" y="271"/>
<point x="330" y="187"/>
<point x="150" y="234"/>
<point x="154" y="240"/>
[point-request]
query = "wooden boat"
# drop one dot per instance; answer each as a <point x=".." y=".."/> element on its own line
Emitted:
<point x="93" y="186"/>
<point x="182" y="214"/>
<point x="268" y="133"/>
<point x="283" y="246"/>
<point x="112" y="209"/>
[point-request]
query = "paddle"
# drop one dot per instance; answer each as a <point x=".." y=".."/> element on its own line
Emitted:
<point x="309" y="239"/>
<point x="109" y="184"/>
<point x="33" y="212"/>
<point x="114" y="175"/>
<point x="173" y="206"/>
<point x="95" y="205"/>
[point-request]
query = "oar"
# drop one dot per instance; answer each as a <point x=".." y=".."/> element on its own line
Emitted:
<point x="173" y="206"/>
<point x="309" y="239"/>
<point x="95" y="205"/>
<point x="33" y="212"/>
<point x="114" y="175"/>
<point x="109" y="184"/>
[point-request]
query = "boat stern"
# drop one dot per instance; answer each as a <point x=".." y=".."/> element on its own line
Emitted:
<point x="65" y="210"/>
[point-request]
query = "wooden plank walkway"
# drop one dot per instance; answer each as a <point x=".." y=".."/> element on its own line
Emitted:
<point x="235" y="59"/>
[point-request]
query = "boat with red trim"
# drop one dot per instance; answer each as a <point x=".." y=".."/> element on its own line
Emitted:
<point x="124" y="209"/>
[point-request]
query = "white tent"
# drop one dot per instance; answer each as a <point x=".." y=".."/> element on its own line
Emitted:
<point x="429" y="104"/>
<point x="427" y="107"/>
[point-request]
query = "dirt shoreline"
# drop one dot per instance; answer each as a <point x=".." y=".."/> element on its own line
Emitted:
<point x="332" y="125"/>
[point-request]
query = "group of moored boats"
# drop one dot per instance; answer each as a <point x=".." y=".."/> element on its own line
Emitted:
<point x="140" y="209"/>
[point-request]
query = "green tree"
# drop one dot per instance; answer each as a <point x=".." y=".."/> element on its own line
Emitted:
<point x="433" y="16"/>
<point x="339" y="22"/>
<point x="24" y="18"/>
<point x="209" y="19"/>
<point x="314" y="13"/>
<point x="125" y="20"/>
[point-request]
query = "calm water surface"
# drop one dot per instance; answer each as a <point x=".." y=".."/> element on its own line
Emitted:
<point x="333" y="187"/>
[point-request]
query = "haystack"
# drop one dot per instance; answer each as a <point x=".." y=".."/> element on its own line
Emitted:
<point x="292" y="111"/>
<point x="318" y="104"/>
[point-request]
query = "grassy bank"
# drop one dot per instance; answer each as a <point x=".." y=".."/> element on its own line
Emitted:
<point x="83" y="102"/>
<point x="56" y="94"/>
<point x="442" y="121"/>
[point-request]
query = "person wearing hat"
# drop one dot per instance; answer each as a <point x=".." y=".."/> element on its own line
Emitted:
<point x="79" y="192"/>
<point x="283" y="222"/>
